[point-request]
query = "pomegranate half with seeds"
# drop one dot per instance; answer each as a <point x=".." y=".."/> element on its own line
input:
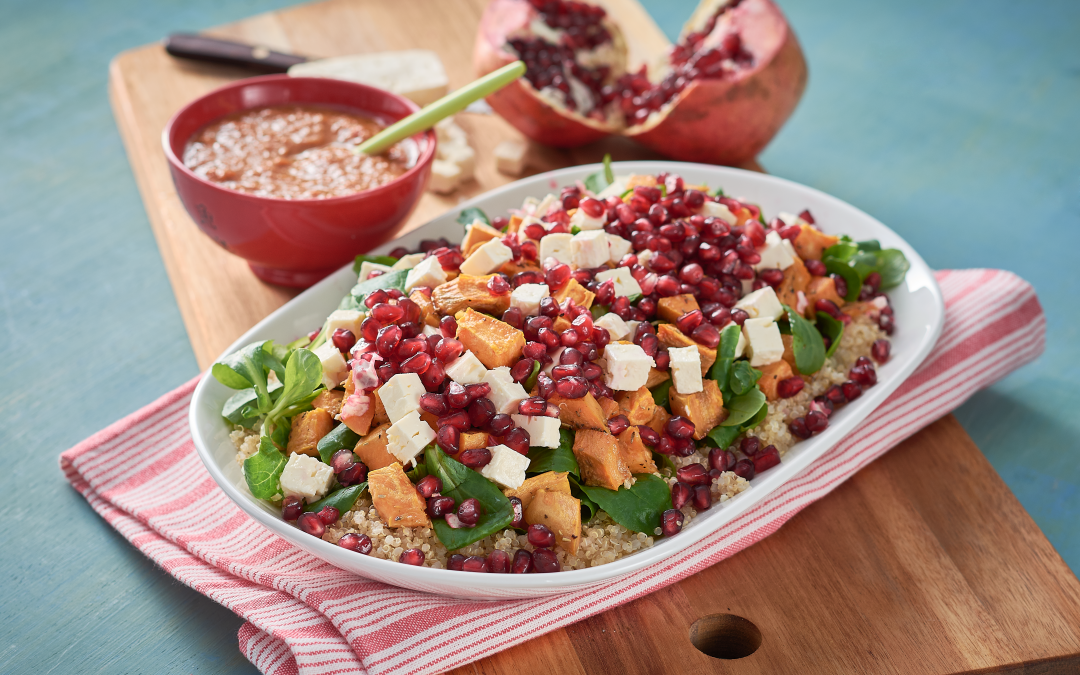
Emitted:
<point x="720" y="95"/>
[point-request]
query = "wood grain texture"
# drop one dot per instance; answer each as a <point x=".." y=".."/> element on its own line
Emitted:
<point x="935" y="570"/>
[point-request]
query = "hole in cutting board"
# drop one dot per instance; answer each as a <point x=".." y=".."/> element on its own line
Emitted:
<point x="725" y="636"/>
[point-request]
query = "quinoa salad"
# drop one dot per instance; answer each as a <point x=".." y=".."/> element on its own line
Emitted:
<point x="572" y="381"/>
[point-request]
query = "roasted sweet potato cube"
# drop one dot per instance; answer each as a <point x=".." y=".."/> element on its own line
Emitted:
<point x="638" y="406"/>
<point x="647" y="180"/>
<point x="555" y="481"/>
<point x="796" y="278"/>
<point x="560" y="513"/>
<point x="494" y="342"/>
<point x="598" y="458"/>
<point x="371" y="449"/>
<point x="511" y="267"/>
<point x="560" y="324"/>
<point x="609" y="406"/>
<point x="396" y="499"/>
<point x="634" y="453"/>
<point x="361" y="424"/>
<point x="771" y="376"/>
<point x="330" y="401"/>
<point x="857" y="310"/>
<point x="705" y="408"/>
<point x="575" y="291"/>
<point x="812" y="242"/>
<point x="427" y="308"/>
<point x="473" y="440"/>
<point x="308" y="428"/>
<point x="789" y="349"/>
<point x="380" y="416"/>
<point x="581" y="413"/>
<point x="515" y="223"/>
<point x="478" y="233"/>
<point x="821" y="288"/>
<point x="670" y="309"/>
<point x="659" y="419"/>
<point x="670" y="336"/>
<point x="657" y="376"/>
<point x="468" y="291"/>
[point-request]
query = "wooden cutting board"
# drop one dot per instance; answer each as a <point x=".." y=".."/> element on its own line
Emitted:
<point x="923" y="562"/>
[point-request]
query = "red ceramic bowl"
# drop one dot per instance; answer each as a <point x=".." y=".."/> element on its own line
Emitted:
<point x="296" y="242"/>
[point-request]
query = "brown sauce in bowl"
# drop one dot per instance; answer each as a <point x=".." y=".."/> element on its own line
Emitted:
<point x="294" y="152"/>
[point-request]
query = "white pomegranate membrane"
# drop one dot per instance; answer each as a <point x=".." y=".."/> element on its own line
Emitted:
<point x="567" y="51"/>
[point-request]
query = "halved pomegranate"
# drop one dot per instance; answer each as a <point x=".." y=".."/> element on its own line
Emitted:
<point x="721" y="94"/>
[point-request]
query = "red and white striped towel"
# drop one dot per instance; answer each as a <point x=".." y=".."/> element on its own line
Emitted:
<point x="305" y="616"/>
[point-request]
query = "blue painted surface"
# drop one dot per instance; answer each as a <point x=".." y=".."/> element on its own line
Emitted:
<point x="953" y="122"/>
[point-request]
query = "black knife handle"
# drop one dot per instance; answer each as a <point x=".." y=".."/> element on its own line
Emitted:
<point x="202" y="48"/>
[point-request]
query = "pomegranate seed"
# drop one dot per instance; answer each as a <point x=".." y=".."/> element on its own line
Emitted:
<point x="805" y="215"/>
<point x="449" y="349"/>
<point x="523" y="562"/>
<point x="572" y="387"/>
<point x="448" y="326"/>
<point x="560" y="372"/>
<point x="880" y="350"/>
<point x="387" y="314"/>
<point x="864" y="375"/>
<point x="790" y="232"/>
<point x="671" y="522"/>
<point x="522" y="370"/>
<point x="649" y="436"/>
<point x="342" y="460"/>
<point x="557" y="276"/>
<point x="540" y="536"/>
<point x="329" y="515"/>
<point x="517" y="440"/>
<point x="428" y="486"/>
<point x="873" y="280"/>
<point x="739" y="316"/>
<point x="291" y="507"/>
<point x="387" y="340"/>
<point x="519" y="513"/>
<point x="412" y="556"/>
<point x="592" y="207"/>
<point x="459" y="419"/>
<point x="693" y="474"/>
<point x="499" y="562"/>
<point x="706" y="334"/>
<point x="822" y="405"/>
<point x="689" y="321"/>
<point x="475" y="563"/>
<point x="498" y="285"/>
<point x="744" y="468"/>
<point x="835" y="395"/>
<point x="772" y="277"/>
<point x="312" y="524"/>
<point x="469" y="512"/>
<point x="789" y="387"/>
<point x="456" y="396"/>
<point x="532" y="406"/>
<point x="481" y="411"/>
<point x="852" y="390"/>
<point x="545" y="561"/>
<point x="829" y="307"/>
<point x="433" y="377"/>
<point x="618" y="424"/>
<point x="720" y="459"/>
<point x="416" y="364"/>
<point x="449" y="439"/>
<point x="766" y="459"/>
<point x="887" y="323"/>
<point x="475" y="458"/>
<point x="591" y="371"/>
<point x="456" y="562"/>
<point x="361" y="543"/>
<point x="840" y="284"/>
<point x="501" y="424"/>
<point x="681" y="494"/>
<point x="750" y="445"/>
<point x="816" y="268"/>
<point x="437" y="507"/>
<point x="702" y="499"/>
<point x="680" y="427"/>
<point x="667" y="286"/>
<point x="343" y="339"/>
<point x="816" y="422"/>
<point x="798" y="427"/>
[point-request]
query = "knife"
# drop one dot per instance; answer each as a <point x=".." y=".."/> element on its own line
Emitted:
<point x="214" y="50"/>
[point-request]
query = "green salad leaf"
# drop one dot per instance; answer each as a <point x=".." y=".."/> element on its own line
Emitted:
<point x="744" y="408"/>
<point x="418" y="471"/>
<point x="588" y="506"/>
<point x="542" y="460"/>
<point x="660" y="393"/>
<point x="467" y="216"/>
<point x="743" y="378"/>
<point x="723" y="437"/>
<point x="725" y="357"/>
<point x="303" y="375"/>
<point x="340" y="437"/>
<point x="832" y="329"/>
<point x="263" y="469"/>
<point x="387" y="260"/>
<point x="637" y="508"/>
<point x="863" y="258"/>
<point x="245" y="368"/>
<point x="242" y="407"/>
<point x="392" y="279"/>
<point x="596" y="182"/>
<point x="530" y="381"/>
<point x="341" y="499"/>
<point x="807" y="344"/>
<point x="461" y="483"/>
<point x="848" y="274"/>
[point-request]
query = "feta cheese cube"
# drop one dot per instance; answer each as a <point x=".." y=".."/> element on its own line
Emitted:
<point x="643" y="257"/>
<point x="740" y="346"/>
<point x="718" y="210"/>
<point x="584" y="221"/>
<point x="541" y="208"/>
<point x="686" y="369"/>
<point x="775" y="254"/>
<point x="790" y="218"/>
<point x="466" y="369"/>
<point x="616" y="189"/>
<point x="617" y="248"/>
<point x="407" y="262"/>
<point x="589" y="249"/>
<point x="505" y="393"/>
<point x="527" y="297"/>
<point x="401" y="395"/>
<point x="445" y="176"/>
<point x="461" y="154"/>
<point x="763" y="341"/>
<point x="334" y="370"/>
<point x="305" y="476"/>
<point x="543" y="431"/>
<point x="491" y="255"/>
<point x="761" y="303"/>
<point x="428" y="272"/>
<point x="367" y="268"/>
<point x="631" y="329"/>
<point x="625" y="283"/>
<point x="407" y="437"/>
<point x="615" y="326"/>
<point x="507" y="467"/>
<point x="447" y="132"/>
<point x="428" y="331"/>
<point x="510" y="157"/>
<point x="626" y="367"/>
<point x="556" y="246"/>
<point x="349" y="319"/>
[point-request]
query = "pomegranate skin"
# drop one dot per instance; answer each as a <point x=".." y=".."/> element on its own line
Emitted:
<point x="519" y="103"/>
<point x="730" y="121"/>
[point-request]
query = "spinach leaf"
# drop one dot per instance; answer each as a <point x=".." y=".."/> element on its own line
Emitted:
<point x="743" y="377"/>
<point x="723" y="437"/>
<point x="377" y="259"/>
<point x="263" y="469"/>
<point x="637" y="508"/>
<point x="743" y="408"/>
<point x="340" y="437"/>
<point x="461" y="483"/>
<point x="869" y="245"/>
<point x="392" y="279"/>
<point x="598" y="311"/>
<point x="417" y="472"/>
<point x="660" y="393"/>
<point x="807" y="344"/>
<point x="530" y="381"/>
<point x="842" y="251"/>
<point x="848" y="274"/>
<point x="596" y="182"/>
<point x="341" y="499"/>
<point x="664" y="462"/>
<point x="892" y="266"/>
<point x="588" y="506"/>
<point x="467" y="216"/>
<point x="832" y="329"/>
<point x="542" y="460"/>
<point x="725" y="356"/>
<point x="865" y="257"/>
